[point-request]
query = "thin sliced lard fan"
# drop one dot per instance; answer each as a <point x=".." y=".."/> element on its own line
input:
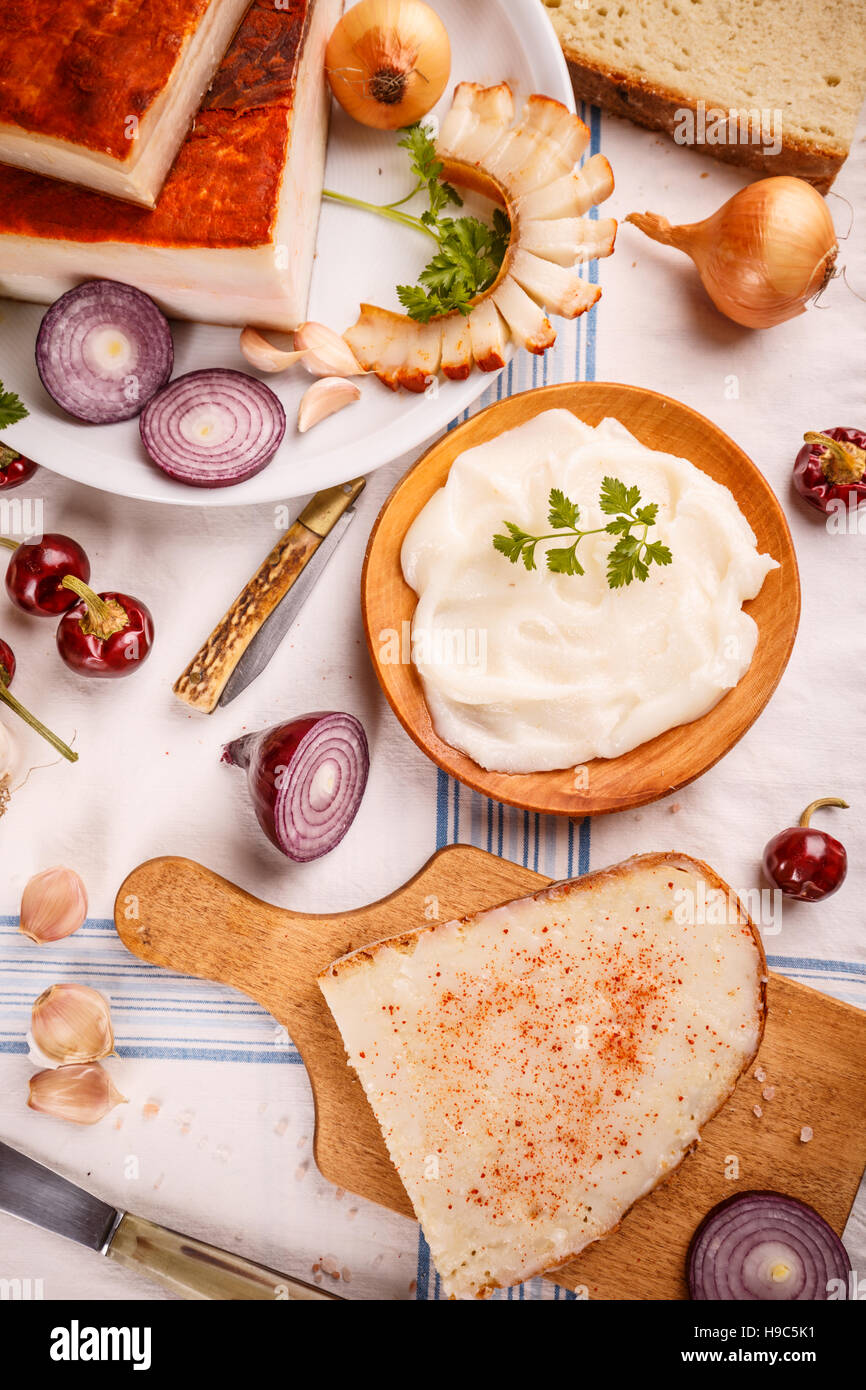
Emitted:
<point x="531" y="170"/>
<point x="538" y="1067"/>
<point x="102" y="94"/>
<point x="233" y="235"/>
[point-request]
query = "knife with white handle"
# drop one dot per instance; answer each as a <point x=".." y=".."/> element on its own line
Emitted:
<point x="187" y="1267"/>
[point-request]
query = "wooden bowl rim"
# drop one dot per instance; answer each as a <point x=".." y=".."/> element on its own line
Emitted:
<point x="459" y="765"/>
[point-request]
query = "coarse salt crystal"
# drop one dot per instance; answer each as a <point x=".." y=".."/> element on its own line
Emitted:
<point x="756" y="1110"/>
<point x="806" y="1134"/>
<point x="760" y="1074"/>
<point x="768" y="1092"/>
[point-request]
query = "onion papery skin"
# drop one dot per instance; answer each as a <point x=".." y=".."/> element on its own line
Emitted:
<point x="726" y="1257"/>
<point x="68" y="333"/>
<point x="763" y="254"/>
<point x="281" y="765"/>
<point x="388" y="62"/>
<point x="254" y="413"/>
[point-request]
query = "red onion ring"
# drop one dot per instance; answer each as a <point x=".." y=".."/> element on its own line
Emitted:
<point x="306" y="779"/>
<point x="103" y="350"/>
<point x="764" y="1245"/>
<point x="213" y="428"/>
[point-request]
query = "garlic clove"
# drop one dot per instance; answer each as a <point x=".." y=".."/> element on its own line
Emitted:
<point x="53" y="905"/>
<point x="324" y="398"/>
<point x="10" y="765"/>
<point x="70" y="1024"/>
<point x="82" y="1094"/>
<point x="325" y="352"/>
<point x="264" y="355"/>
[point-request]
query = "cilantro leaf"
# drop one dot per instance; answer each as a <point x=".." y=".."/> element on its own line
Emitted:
<point x="12" y="408"/>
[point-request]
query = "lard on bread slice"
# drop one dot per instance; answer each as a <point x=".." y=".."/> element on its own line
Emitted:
<point x="102" y="92"/>
<point x="538" y="1067"/>
<point x="233" y="235"/>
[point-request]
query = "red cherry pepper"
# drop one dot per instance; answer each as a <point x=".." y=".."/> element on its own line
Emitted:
<point x="35" y="574"/>
<point x="15" y="469"/>
<point x="831" y="469"/>
<point x="107" y="635"/>
<point x="805" y="863"/>
<point x="7" y="671"/>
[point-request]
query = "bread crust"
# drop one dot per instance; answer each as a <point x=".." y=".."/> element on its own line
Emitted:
<point x="657" y="108"/>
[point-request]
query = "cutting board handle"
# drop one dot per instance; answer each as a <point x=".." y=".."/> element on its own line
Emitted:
<point x="176" y="913"/>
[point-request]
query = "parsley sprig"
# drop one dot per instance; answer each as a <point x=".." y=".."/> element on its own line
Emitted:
<point x="12" y="409"/>
<point x="629" y="559"/>
<point x="470" y="252"/>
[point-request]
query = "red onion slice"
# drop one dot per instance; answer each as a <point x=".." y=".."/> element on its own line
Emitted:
<point x="764" y="1245"/>
<point x="213" y="428"/>
<point x="103" y="350"/>
<point x="306" y="780"/>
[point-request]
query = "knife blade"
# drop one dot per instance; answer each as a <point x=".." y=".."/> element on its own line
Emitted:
<point x="187" y="1267"/>
<point x="275" y="628"/>
<point x="202" y="683"/>
<point x="43" y="1198"/>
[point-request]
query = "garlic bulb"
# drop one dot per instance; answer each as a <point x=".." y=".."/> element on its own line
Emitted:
<point x="82" y="1094"/>
<point x="70" y="1024"/>
<point x="53" y="905"/>
<point x="323" y="398"/>
<point x="325" y="352"/>
<point x="264" y="355"/>
<point x="763" y="255"/>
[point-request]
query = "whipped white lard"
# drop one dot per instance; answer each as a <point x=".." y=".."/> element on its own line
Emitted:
<point x="529" y="671"/>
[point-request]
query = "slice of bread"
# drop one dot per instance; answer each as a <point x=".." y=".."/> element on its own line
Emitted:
<point x="538" y="1067"/>
<point x="801" y="64"/>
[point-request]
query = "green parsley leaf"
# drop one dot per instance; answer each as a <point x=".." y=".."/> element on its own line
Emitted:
<point x="629" y="559"/>
<point x="12" y="408"/>
<point x="562" y="512"/>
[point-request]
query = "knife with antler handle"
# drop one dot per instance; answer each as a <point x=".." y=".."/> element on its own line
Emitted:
<point x="241" y="645"/>
<point x="187" y="1267"/>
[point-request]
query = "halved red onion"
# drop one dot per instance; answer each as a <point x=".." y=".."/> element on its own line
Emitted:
<point x="213" y="428"/>
<point x="103" y="350"/>
<point x="764" y="1245"/>
<point x="306" y="780"/>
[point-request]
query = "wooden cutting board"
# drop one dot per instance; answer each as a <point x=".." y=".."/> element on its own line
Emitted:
<point x="176" y="913"/>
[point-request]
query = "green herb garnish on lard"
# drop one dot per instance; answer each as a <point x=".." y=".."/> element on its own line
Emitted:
<point x="629" y="559"/>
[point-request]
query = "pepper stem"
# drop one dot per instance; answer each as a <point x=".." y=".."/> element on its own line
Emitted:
<point x="104" y="617"/>
<point x="841" y="462"/>
<point x="31" y="719"/>
<point x="816" y="806"/>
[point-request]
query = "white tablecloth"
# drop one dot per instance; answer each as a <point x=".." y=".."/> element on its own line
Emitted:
<point x="216" y="1138"/>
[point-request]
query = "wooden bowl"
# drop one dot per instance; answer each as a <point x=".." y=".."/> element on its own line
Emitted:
<point x="668" y="762"/>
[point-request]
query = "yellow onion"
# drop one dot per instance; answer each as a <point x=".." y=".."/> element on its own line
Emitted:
<point x="765" y="253"/>
<point x="388" y="62"/>
<point x="70" y="1023"/>
<point x="82" y="1094"/>
<point x="53" y="905"/>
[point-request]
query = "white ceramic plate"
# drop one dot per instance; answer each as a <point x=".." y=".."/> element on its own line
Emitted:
<point x="359" y="256"/>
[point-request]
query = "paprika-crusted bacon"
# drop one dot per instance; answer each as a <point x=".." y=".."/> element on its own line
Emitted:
<point x="232" y="237"/>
